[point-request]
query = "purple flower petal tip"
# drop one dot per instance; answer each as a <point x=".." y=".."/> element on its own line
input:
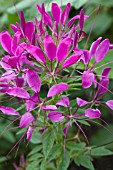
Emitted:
<point x="92" y="113"/>
<point x="49" y="107"/>
<point x="18" y="92"/>
<point x="29" y="133"/>
<point x="55" y="116"/>
<point x="56" y="12"/>
<point x="87" y="79"/>
<point x="26" y="119"/>
<point x="81" y="102"/>
<point x="66" y="129"/>
<point x="50" y="47"/>
<point x="33" y="80"/>
<point x="63" y="102"/>
<point x="9" y="111"/>
<point x="109" y="103"/>
<point x="102" y="50"/>
<point x="6" y="40"/>
<point x="56" y="89"/>
<point x="63" y="49"/>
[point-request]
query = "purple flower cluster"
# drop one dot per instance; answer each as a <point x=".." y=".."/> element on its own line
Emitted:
<point x="37" y="54"/>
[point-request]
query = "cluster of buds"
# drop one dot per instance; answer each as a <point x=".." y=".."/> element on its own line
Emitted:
<point x="37" y="54"/>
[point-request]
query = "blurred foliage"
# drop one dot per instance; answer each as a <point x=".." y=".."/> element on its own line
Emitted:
<point x="101" y="24"/>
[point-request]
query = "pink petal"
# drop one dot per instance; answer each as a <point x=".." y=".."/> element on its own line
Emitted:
<point x="72" y="60"/>
<point x="8" y="111"/>
<point x="29" y="133"/>
<point x="63" y="49"/>
<point x="26" y="119"/>
<point x="20" y="49"/>
<point x="18" y="92"/>
<point x="110" y="104"/>
<point x="56" y="11"/>
<point x="94" y="47"/>
<point x="4" y="87"/>
<point x="22" y="20"/>
<point x="85" y="57"/>
<point x="9" y="75"/>
<point x="65" y="14"/>
<point x="102" y="50"/>
<point x="104" y="82"/>
<point x="4" y="62"/>
<point x="48" y="19"/>
<point x="66" y="129"/>
<point x="36" y="52"/>
<point x="46" y="16"/>
<point x="15" y="41"/>
<point x="23" y="59"/>
<point x="13" y="61"/>
<point x="49" y="107"/>
<point x="6" y="40"/>
<point x="55" y="116"/>
<point x="81" y="23"/>
<point x="19" y="82"/>
<point x="63" y="102"/>
<point x="29" y="30"/>
<point x="92" y="113"/>
<point x="56" y="89"/>
<point x="50" y="47"/>
<point x="103" y="86"/>
<point x="75" y="18"/>
<point x="81" y="102"/>
<point x="33" y="80"/>
<point x="105" y="73"/>
<point x="32" y="102"/>
<point x="87" y="79"/>
<point x="14" y="28"/>
<point x="75" y="40"/>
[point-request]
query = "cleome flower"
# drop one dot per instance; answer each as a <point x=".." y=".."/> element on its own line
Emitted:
<point x="38" y="66"/>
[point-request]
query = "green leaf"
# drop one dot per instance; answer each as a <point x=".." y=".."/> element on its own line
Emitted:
<point x="35" y="157"/>
<point x="12" y="19"/>
<point x="101" y="151"/>
<point x="55" y="152"/>
<point x="108" y="3"/>
<point x="64" y="161"/>
<point x="3" y="159"/>
<point x="35" y="150"/>
<point x="79" y="3"/>
<point x="21" y="5"/>
<point x="33" y="165"/>
<point x="99" y="24"/>
<point x="85" y="161"/>
<point x="36" y="137"/>
<point x="72" y="145"/>
<point x="84" y="122"/>
<point x="43" y="165"/>
<point x="48" y="141"/>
